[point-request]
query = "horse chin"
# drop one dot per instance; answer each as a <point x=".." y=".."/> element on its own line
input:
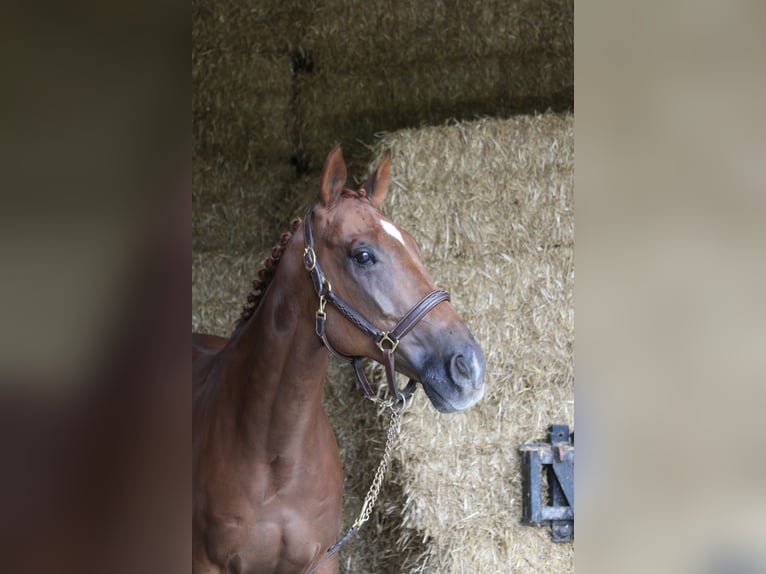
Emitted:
<point x="456" y="400"/>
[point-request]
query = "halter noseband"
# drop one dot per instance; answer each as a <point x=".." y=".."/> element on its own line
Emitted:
<point x="387" y="341"/>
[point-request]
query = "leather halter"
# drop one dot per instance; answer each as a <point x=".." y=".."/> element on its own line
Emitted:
<point x="387" y="341"/>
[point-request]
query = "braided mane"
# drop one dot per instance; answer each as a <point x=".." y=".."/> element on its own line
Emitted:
<point x="266" y="274"/>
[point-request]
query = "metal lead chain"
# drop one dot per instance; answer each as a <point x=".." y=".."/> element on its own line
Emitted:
<point x="372" y="495"/>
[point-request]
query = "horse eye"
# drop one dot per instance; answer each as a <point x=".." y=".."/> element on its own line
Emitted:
<point x="363" y="257"/>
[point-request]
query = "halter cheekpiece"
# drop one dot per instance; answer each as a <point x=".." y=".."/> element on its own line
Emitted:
<point x="386" y="341"/>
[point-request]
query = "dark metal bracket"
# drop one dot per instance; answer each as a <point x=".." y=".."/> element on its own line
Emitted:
<point x="556" y="458"/>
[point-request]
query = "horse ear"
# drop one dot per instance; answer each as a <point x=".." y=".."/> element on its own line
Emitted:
<point x="376" y="185"/>
<point x="333" y="176"/>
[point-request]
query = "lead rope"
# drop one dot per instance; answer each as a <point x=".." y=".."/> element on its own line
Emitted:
<point x="394" y="427"/>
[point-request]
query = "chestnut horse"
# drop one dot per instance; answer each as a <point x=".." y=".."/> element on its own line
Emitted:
<point x="267" y="478"/>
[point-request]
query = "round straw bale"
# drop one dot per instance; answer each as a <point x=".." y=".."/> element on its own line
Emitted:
<point x="491" y="204"/>
<point x="505" y="186"/>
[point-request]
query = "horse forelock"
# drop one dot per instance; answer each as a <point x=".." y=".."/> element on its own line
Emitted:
<point x="355" y="193"/>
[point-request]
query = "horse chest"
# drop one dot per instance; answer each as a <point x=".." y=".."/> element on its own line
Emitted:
<point x="276" y="514"/>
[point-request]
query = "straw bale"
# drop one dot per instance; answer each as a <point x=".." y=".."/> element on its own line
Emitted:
<point x="241" y="107"/>
<point x="491" y="204"/>
<point x="220" y="283"/>
<point x="250" y="26"/>
<point x="241" y="211"/>
<point x="391" y="65"/>
<point x="334" y="108"/>
<point x="504" y="184"/>
<point x="374" y="67"/>
<point x="354" y="107"/>
<point x="461" y="473"/>
<point x="242" y="80"/>
<point x="352" y="36"/>
<point x="463" y="87"/>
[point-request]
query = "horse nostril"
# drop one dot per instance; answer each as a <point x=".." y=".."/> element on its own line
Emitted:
<point x="467" y="368"/>
<point x="462" y="367"/>
<point x="462" y="370"/>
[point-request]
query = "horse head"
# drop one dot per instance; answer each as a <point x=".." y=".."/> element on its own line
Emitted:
<point x="377" y="269"/>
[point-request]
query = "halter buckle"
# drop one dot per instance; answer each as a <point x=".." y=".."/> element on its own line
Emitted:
<point x="309" y="258"/>
<point x="321" y="312"/>
<point x="384" y="338"/>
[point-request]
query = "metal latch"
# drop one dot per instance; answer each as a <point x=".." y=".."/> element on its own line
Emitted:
<point x="556" y="459"/>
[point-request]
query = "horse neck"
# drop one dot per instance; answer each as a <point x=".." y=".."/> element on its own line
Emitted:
<point x="281" y="360"/>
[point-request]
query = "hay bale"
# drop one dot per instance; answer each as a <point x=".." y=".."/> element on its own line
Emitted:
<point x="241" y="107"/>
<point x="352" y="36"/>
<point x="220" y="283"/>
<point x="380" y="67"/>
<point x="242" y="79"/>
<point x="281" y="82"/>
<point x="465" y="87"/>
<point x="520" y="168"/>
<point x="490" y="203"/>
<point x="332" y="108"/>
<point x="241" y="211"/>
<point x="250" y="26"/>
<point x="354" y="107"/>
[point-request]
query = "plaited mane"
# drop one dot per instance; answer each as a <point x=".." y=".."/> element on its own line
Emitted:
<point x="266" y="274"/>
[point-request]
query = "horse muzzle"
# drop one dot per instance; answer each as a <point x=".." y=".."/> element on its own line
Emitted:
<point x="453" y="381"/>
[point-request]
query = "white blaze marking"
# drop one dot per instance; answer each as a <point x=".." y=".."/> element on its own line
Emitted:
<point x="391" y="229"/>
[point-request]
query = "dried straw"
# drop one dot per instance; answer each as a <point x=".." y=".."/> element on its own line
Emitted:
<point x="242" y="80"/>
<point x="241" y="107"/>
<point x="240" y="211"/>
<point x="353" y="107"/>
<point x="388" y="65"/>
<point x="355" y="35"/>
<point x="281" y="82"/>
<point x="491" y="204"/>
